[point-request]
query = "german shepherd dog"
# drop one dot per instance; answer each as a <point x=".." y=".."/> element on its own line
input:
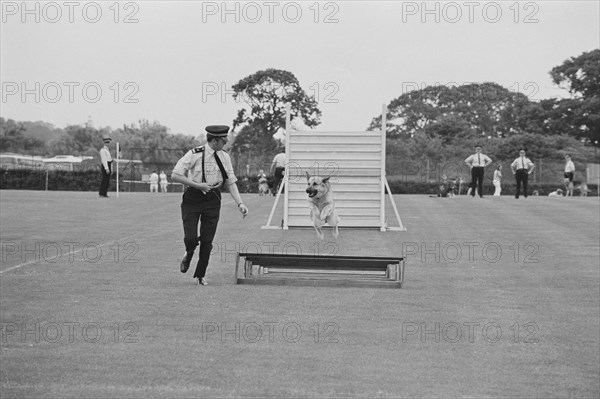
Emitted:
<point x="583" y="189"/>
<point x="569" y="187"/>
<point x="322" y="206"/>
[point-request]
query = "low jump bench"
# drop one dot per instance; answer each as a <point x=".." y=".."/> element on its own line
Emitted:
<point x="314" y="270"/>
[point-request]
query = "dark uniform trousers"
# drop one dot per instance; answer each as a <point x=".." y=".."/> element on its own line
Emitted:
<point x="522" y="177"/>
<point x="569" y="175"/>
<point x="105" y="179"/>
<point x="277" y="178"/>
<point x="477" y="180"/>
<point x="205" y="208"/>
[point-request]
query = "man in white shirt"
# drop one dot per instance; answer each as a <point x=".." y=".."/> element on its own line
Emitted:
<point x="277" y="169"/>
<point x="477" y="162"/>
<point x="522" y="168"/>
<point x="154" y="182"/>
<point x="208" y="167"/>
<point x="105" y="167"/>
<point x="569" y="168"/>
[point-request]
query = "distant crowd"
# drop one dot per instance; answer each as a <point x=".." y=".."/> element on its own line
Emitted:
<point x="521" y="168"/>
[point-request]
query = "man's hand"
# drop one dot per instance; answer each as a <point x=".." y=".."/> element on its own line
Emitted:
<point x="243" y="210"/>
<point x="204" y="187"/>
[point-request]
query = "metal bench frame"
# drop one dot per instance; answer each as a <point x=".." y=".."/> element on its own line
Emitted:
<point x="315" y="270"/>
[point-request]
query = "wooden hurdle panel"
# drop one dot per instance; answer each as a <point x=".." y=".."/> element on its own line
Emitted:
<point x="355" y="165"/>
<point x="312" y="270"/>
<point x="353" y="162"/>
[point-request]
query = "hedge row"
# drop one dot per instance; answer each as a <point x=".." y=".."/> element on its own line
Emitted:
<point x="23" y="179"/>
<point x="90" y="181"/>
<point x="400" y="187"/>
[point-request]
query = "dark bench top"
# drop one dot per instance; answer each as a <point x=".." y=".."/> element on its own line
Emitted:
<point x="320" y="261"/>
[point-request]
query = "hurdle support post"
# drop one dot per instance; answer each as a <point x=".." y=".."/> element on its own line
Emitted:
<point x="288" y="125"/>
<point x="382" y="222"/>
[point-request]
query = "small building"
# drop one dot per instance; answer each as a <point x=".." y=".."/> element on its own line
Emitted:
<point x="64" y="162"/>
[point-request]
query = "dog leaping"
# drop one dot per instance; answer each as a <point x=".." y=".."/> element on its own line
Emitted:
<point x="322" y="205"/>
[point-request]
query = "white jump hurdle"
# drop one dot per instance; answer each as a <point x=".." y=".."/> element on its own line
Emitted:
<point x="356" y="163"/>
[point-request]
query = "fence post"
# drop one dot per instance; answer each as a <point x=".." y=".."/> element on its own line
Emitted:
<point x="117" y="169"/>
<point x="46" y="179"/>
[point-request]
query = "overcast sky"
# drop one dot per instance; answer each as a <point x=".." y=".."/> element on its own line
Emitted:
<point x="173" y="62"/>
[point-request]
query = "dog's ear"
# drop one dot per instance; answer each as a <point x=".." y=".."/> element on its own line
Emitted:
<point x="326" y="179"/>
<point x="307" y="177"/>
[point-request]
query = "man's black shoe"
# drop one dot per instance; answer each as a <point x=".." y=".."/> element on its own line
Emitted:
<point x="202" y="281"/>
<point x="185" y="262"/>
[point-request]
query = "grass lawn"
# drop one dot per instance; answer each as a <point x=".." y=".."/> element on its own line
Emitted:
<point x="501" y="299"/>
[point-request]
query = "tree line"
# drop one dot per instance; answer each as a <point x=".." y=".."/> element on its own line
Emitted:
<point x="435" y="123"/>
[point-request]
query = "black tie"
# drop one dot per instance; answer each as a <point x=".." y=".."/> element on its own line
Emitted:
<point x="479" y="159"/>
<point x="522" y="162"/>
<point x="219" y="164"/>
<point x="221" y="168"/>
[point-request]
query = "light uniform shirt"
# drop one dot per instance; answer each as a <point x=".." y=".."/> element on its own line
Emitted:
<point x="478" y="160"/>
<point x="163" y="178"/>
<point x="191" y="162"/>
<point x="153" y="178"/>
<point x="521" y="163"/>
<point x="105" y="157"/>
<point x="569" y="167"/>
<point x="279" y="160"/>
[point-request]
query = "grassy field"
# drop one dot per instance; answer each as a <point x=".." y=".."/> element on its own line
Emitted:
<point x="501" y="299"/>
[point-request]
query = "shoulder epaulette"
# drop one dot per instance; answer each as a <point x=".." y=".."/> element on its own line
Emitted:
<point x="198" y="149"/>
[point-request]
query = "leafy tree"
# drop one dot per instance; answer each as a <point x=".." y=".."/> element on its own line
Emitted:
<point x="14" y="137"/>
<point x="43" y="131"/>
<point x="267" y="93"/>
<point x="427" y="147"/>
<point x="454" y="113"/>
<point x="448" y="128"/>
<point x="579" y="116"/>
<point x="253" y="149"/>
<point x="152" y="142"/>
<point x="579" y="75"/>
<point x="552" y="147"/>
<point x="11" y="135"/>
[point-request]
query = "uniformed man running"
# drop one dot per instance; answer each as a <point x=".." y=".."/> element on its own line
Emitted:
<point x="208" y="168"/>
